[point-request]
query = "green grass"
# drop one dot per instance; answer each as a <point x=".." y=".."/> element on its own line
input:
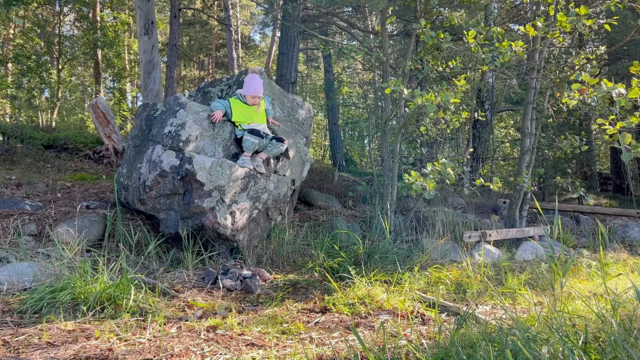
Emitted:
<point x="583" y="306"/>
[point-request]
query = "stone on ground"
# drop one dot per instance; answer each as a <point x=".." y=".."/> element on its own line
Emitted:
<point x="22" y="275"/>
<point x="88" y="228"/>
<point x="447" y="251"/>
<point x="180" y="168"/>
<point x="529" y="250"/>
<point x="627" y="233"/>
<point x="456" y="203"/>
<point x="319" y="200"/>
<point x="485" y="252"/>
<point x="343" y="229"/>
<point x="20" y="204"/>
<point x="29" y="229"/>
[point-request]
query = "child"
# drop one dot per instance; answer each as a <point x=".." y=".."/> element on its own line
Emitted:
<point x="251" y="112"/>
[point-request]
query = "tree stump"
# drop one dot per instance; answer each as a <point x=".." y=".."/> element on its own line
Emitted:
<point x="103" y="119"/>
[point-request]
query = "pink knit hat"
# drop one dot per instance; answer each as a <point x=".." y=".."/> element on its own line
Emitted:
<point x="252" y="85"/>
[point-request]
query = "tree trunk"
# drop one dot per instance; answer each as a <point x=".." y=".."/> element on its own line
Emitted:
<point x="107" y="130"/>
<point x="482" y="130"/>
<point x="333" y="113"/>
<point x="8" y="70"/>
<point x="385" y="139"/>
<point x="618" y="172"/>
<point x="172" y="51"/>
<point x="231" y="47"/>
<point x="289" y="47"/>
<point x="590" y="159"/>
<point x="97" y="60"/>
<point x="239" y="35"/>
<point x="150" y="72"/>
<point x="214" y="39"/>
<point x="519" y="199"/>
<point x="274" y="36"/>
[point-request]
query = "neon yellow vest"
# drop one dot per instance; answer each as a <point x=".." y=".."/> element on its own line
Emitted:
<point x="243" y="114"/>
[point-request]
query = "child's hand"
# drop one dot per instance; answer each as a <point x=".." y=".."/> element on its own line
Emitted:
<point x="273" y="122"/>
<point x="216" y="116"/>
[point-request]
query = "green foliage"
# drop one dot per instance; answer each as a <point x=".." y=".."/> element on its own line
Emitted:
<point x="51" y="139"/>
<point x="90" y="288"/>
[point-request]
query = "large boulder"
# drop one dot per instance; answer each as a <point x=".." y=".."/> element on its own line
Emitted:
<point x="180" y="168"/>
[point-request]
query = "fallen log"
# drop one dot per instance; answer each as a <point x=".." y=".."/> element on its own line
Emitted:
<point x="504" y="234"/>
<point x="447" y="307"/>
<point x="580" y="208"/>
<point x="108" y="131"/>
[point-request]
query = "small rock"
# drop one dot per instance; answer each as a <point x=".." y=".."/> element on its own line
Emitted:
<point x="20" y="204"/>
<point x="344" y="230"/>
<point x="262" y="274"/>
<point x="251" y="285"/>
<point x="483" y="251"/>
<point x="582" y="243"/>
<point x="26" y="243"/>
<point x="246" y="274"/>
<point x="585" y="222"/>
<point x="229" y="284"/>
<point x="529" y="250"/>
<point x="22" y="275"/>
<point x="320" y="200"/>
<point x="210" y="276"/>
<point x="233" y="274"/>
<point x="557" y="246"/>
<point x="627" y="233"/>
<point x="7" y="257"/>
<point x="29" y="229"/>
<point x="89" y="228"/>
<point x="94" y="205"/>
<point x="447" y="251"/>
<point x="566" y="223"/>
<point x="456" y="203"/>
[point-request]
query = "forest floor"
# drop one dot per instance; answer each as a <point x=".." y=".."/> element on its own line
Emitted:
<point x="328" y="298"/>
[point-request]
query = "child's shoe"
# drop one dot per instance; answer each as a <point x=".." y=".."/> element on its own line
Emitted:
<point x="258" y="165"/>
<point x="245" y="162"/>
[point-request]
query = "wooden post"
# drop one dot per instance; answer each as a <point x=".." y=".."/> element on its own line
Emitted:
<point x="107" y="130"/>
<point x="581" y="208"/>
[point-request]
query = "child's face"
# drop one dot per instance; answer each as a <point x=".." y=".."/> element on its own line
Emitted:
<point x="253" y="100"/>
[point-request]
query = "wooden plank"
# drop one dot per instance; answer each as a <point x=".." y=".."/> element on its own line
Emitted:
<point x="581" y="208"/>
<point x="503" y="234"/>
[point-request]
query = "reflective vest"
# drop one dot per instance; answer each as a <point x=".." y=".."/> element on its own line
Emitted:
<point x="243" y="114"/>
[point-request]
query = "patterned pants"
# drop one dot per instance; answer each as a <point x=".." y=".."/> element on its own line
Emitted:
<point x="256" y="141"/>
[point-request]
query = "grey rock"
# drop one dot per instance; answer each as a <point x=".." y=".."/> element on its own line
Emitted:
<point x="627" y="233"/>
<point x="88" y="228"/>
<point x="246" y="274"/>
<point x="20" y="204"/>
<point x="29" y="229"/>
<point x="233" y="275"/>
<point x="262" y="274"/>
<point x="229" y="284"/>
<point x="94" y="205"/>
<point x="23" y="275"/>
<point x="7" y="257"/>
<point x="447" y="251"/>
<point x="180" y="168"/>
<point x="343" y="229"/>
<point x="483" y="251"/>
<point x="456" y="203"/>
<point x="251" y="285"/>
<point x="555" y="245"/>
<point x="319" y="200"/>
<point x="529" y="250"/>
<point x="565" y="222"/>
<point x="585" y="222"/>
<point x="210" y="276"/>
<point x="26" y="243"/>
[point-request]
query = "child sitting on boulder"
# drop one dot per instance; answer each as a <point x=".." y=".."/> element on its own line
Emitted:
<point x="250" y="111"/>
